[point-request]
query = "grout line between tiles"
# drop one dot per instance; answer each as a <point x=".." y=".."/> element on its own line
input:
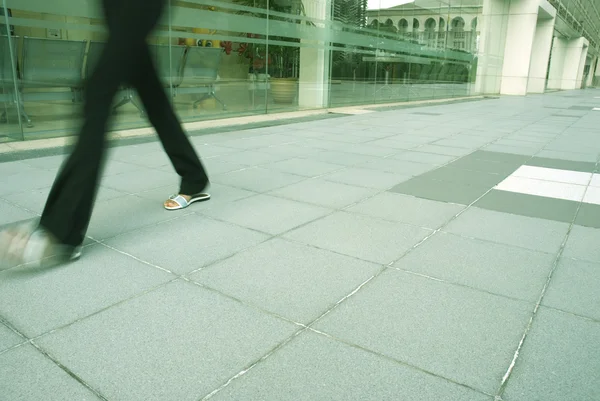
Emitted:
<point x="395" y="360"/>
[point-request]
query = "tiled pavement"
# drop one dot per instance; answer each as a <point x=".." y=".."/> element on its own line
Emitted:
<point x="365" y="257"/>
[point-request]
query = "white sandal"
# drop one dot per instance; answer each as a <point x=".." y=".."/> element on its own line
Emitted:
<point x="182" y="203"/>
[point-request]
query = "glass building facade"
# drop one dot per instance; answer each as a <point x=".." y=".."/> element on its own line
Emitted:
<point x="222" y="59"/>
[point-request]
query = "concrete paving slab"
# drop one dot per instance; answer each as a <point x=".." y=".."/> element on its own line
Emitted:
<point x="10" y="213"/>
<point x="367" y="178"/>
<point x="324" y="193"/>
<point x="124" y="214"/>
<point x="8" y="338"/>
<point x="536" y="234"/>
<point x="574" y="288"/>
<point x="302" y="283"/>
<point x="364" y="237"/>
<point x="407" y="209"/>
<point x="257" y="179"/>
<point x="461" y="334"/>
<point x="496" y="268"/>
<point x="62" y="295"/>
<point x="187" y="243"/>
<point x="304" y="167"/>
<point x="179" y="342"/>
<point x="21" y="370"/>
<point x="297" y="372"/>
<point x="267" y="214"/>
<point x="558" y="361"/>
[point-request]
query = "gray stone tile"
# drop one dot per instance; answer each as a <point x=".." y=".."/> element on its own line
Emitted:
<point x="526" y="232"/>
<point x="153" y="159"/>
<point x="268" y="214"/>
<point x="258" y="179"/>
<point x="35" y="301"/>
<point x="390" y="165"/>
<point x="304" y="167"/>
<point x="25" y="181"/>
<point x="360" y="236"/>
<point x="176" y="343"/>
<point x="46" y="163"/>
<point x="407" y="209"/>
<point x="114" y="167"/>
<point x="291" y="150"/>
<point x="444" y="150"/>
<point x="559" y="360"/>
<point x="260" y="141"/>
<point x="519" y="144"/>
<point x="303" y="281"/>
<point x="588" y="215"/>
<point x="192" y="241"/>
<point x="324" y="193"/>
<point x="346" y="138"/>
<point x="443" y="191"/>
<point x="418" y="138"/>
<point x="583" y="244"/>
<point x="35" y="199"/>
<point x="458" y="333"/>
<point x="581" y="157"/>
<point x="487" y="166"/>
<point x="22" y="370"/>
<point x="510" y="150"/>
<point x="9" y="338"/>
<point x="496" y="268"/>
<point x="422" y="157"/>
<point x="124" y="214"/>
<point x="215" y="166"/>
<point x="141" y="180"/>
<point x="368" y="150"/>
<point x="529" y="205"/>
<point x="394" y="144"/>
<point x="367" y="178"/>
<point x="11" y="214"/>
<point x="496" y="157"/>
<point x="574" y="288"/>
<point x="314" y="367"/>
<point x="587" y="167"/>
<point x="465" y="177"/>
<point x="10" y="168"/>
<point x="210" y="150"/>
<point x="341" y="158"/>
<point x="460" y="143"/>
<point x="251" y="158"/>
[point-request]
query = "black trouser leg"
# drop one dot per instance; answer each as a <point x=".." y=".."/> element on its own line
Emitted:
<point x="69" y="206"/>
<point x="160" y="112"/>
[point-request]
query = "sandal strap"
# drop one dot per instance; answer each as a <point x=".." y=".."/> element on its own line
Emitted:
<point x="180" y="200"/>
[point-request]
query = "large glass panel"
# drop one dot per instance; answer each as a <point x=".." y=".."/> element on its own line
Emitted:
<point x="412" y="50"/>
<point x="52" y="39"/>
<point x="12" y="114"/>
<point x="226" y="65"/>
<point x="225" y="58"/>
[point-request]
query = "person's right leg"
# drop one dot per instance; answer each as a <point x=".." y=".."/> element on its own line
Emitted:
<point x="162" y="116"/>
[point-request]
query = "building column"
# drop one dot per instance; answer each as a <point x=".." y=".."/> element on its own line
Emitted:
<point x="490" y="52"/>
<point x="596" y="79"/>
<point x="540" y="54"/>
<point x="515" y="42"/>
<point x="313" y="85"/>
<point x="590" y="77"/>
<point x="567" y="63"/>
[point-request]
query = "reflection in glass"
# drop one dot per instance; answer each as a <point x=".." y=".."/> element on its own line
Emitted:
<point x="240" y="57"/>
